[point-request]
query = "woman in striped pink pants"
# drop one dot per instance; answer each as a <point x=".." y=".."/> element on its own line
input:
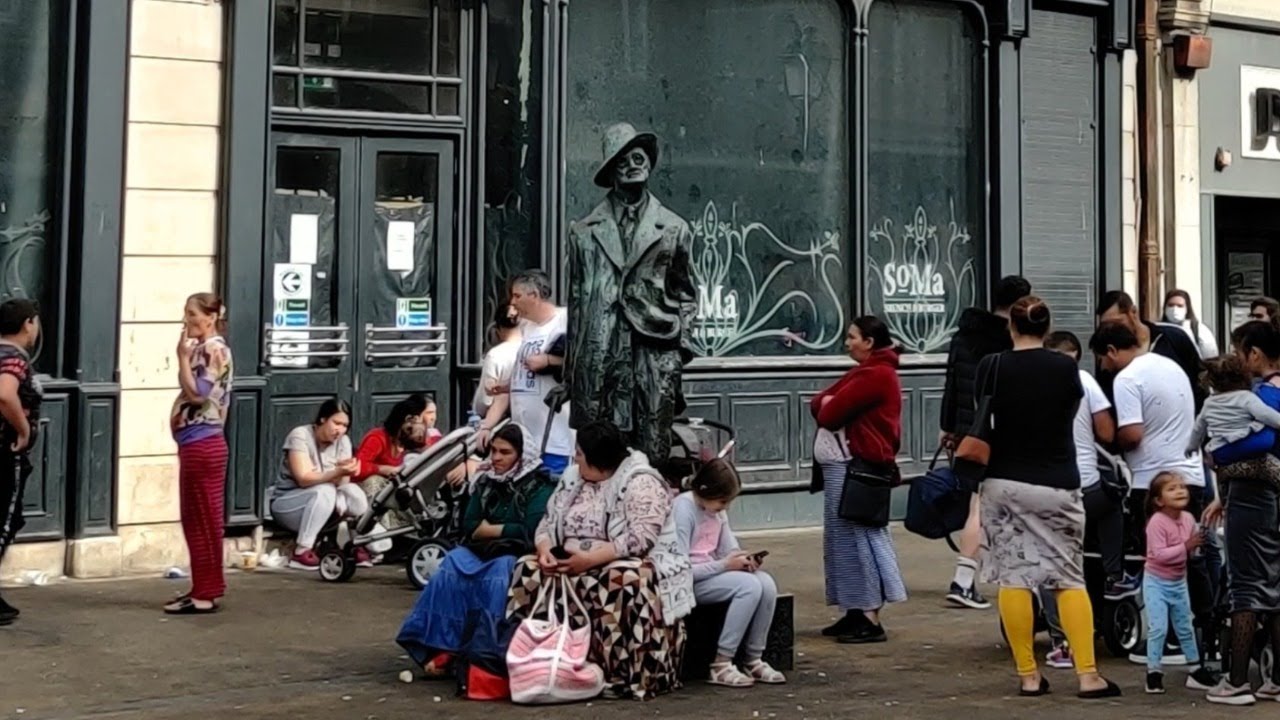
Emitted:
<point x="198" y="420"/>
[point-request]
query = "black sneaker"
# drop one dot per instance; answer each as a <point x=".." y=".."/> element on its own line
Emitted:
<point x="967" y="597"/>
<point x="867" y="634"/>
<point x="1155" y="683"/>
<point x="1126" y="587"/>
<point x="852" y="621"/>
<point x="8" y="612"/>
<point x="1202" y="678"/>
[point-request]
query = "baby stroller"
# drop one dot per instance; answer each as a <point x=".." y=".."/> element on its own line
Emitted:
<point x="1119" y="623"/>
<point x="419" y="489"/>
<point x="694" y="442"/>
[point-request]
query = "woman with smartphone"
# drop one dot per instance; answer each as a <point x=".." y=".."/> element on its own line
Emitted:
<point x="724" y="572"/>
<point x="859" y="420"/>
<point x="198" y="422"/>
<point x="609" y="531"/>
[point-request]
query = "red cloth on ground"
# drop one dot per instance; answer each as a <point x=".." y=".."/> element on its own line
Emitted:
<point x="867" y="404"/>
<point x="202" y="481"/>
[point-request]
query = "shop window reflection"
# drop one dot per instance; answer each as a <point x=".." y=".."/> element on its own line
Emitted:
<point x="513" y="145"/>
<point x="926" y="194"/>
<point x="750" y="105"/>
<point x="32" y="89"/>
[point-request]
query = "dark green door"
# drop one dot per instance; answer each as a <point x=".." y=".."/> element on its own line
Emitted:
<point x="358" y="267"/>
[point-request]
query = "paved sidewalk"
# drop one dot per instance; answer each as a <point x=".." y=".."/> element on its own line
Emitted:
<point x="290" y="646"/>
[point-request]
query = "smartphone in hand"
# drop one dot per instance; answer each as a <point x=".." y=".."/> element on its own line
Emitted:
<point x="558" y="552"/>
<point x="759" y="557"/>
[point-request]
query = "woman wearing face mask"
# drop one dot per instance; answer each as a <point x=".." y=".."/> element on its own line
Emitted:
<point x="502" y="515"/>
<point x="1177" y="311"/>
<point x="197" y="420"/>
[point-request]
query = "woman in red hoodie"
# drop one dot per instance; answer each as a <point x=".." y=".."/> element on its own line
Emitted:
<point x="860" y="416"/>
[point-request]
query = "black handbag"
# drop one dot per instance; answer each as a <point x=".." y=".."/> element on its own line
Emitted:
<point x="867" y="492"/>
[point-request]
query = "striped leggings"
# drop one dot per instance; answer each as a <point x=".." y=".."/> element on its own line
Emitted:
<point x="202" y="479"/>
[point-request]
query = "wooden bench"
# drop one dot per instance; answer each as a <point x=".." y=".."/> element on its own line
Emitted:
<point x="703" y="627"/>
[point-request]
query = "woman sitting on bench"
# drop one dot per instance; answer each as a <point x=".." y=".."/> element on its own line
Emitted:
<point x="609" y="532"/>
<point x="502" y="515"/>
<point x="723" y="572"/>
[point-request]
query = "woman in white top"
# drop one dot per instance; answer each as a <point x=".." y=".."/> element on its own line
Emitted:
<point x="495" y="377"/>
<point x="1178" y="311"/>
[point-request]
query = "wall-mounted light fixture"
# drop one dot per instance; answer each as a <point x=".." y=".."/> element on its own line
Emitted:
<point x="1191" y="53"/>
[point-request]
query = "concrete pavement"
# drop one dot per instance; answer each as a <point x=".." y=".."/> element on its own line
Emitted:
<point x="289" y="646"/>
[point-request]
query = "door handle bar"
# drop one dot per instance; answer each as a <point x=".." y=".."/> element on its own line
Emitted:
<point x="371" y="329"/>
<point x="306" y="353"/>
<point x="408" y="341"/>
<point x="405" y="354"/>
<point x="307" y="328"/>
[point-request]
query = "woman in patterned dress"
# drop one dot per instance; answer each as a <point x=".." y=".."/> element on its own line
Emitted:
<point x="611" y="518"/>
<point x="198" y="420"/>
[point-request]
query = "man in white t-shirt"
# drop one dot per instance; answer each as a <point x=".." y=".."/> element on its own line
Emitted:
<point x="1155" y="412"/>
<point x="542" y="324"/>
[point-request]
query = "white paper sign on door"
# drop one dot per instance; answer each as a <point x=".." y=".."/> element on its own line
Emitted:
<point x="400" y="237"/>
<point x="304" y="233"/>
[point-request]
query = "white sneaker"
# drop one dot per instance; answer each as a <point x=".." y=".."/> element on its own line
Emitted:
<point x="1224" y="693"/>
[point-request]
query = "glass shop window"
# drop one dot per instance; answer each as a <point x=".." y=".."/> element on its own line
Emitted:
<point x="750" y="104"/>
<point x="384" y="56"/>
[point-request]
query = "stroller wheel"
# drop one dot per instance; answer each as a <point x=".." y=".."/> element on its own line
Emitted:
<point x="336" y="566"/>
<point x="424" y="561"/>
<point x="1121" y="627"/>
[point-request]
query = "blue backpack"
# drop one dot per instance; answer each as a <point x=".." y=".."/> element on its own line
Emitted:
<point x="938" y="503"/>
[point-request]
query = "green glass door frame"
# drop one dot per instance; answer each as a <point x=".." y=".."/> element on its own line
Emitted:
<point x="391" y="361"/>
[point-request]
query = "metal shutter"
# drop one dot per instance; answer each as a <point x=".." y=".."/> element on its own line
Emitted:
<point x="1060" y="166"/>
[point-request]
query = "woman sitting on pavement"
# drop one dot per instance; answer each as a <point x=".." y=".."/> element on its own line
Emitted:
<point x="610" y="521"/>
<point x="315" y="482"/>
<point x="504" y="510"/>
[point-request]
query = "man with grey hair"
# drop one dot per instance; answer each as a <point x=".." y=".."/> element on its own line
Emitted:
<point x="543" y="326"/>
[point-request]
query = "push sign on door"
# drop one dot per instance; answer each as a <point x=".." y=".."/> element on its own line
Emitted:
<point x="413" y="313"/>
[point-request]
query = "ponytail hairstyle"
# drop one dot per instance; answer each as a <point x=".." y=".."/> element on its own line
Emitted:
<point x="874" y="329"/>
<point x="1030" y="316"/>
<point x="717" y="480"/>
<point x="210" y="304"/>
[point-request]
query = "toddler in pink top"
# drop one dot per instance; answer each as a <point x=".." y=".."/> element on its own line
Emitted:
<point x="1171" y="536"/>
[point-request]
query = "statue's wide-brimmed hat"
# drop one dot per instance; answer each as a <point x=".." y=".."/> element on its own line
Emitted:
<point x="618" y="140"/>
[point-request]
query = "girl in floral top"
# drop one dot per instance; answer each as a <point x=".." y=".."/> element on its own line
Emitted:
<point x="198" y="419"/>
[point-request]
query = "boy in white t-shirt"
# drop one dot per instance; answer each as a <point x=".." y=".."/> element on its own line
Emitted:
<point x="1104" y="515"/>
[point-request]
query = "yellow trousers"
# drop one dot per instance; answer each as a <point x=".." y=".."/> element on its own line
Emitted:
<point x="1017" y="612"/>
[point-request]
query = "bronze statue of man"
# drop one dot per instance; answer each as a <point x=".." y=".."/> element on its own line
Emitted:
<point x="631" y="301"/>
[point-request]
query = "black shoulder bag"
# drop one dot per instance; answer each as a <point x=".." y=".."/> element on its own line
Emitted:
<point x="867" y="492"/>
